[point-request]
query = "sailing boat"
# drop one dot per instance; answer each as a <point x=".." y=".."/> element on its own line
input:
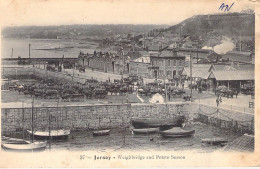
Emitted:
<point x="21" y="144"/>
<point x="51" y="134"/>
<point x="100" y="132"/>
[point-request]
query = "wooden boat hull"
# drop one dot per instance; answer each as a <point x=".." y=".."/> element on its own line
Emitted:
<point x="177" y="132"/>
<point x="163" y="124"/>
<point x="101" y="133"/>
<point x="55" y="134"/>
<point x="26" y="146"/>
<point x="214" y="141"/>
<point x="146" y="131"/>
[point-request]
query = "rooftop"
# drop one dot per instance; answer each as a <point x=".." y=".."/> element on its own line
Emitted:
<point x="143" y="59"/>
<point x="238" y="57"/>
<point x="199" y="72"/>
<point x="232" y="75"/>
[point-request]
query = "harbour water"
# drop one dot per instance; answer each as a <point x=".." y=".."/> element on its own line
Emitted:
<point x="120" y="139"/>
<point x="45" y="48"/>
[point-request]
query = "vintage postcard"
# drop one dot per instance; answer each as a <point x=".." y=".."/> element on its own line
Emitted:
<point x="115" y="83"/>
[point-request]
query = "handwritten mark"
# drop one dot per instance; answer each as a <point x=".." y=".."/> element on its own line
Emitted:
<point x="226" y="7"/>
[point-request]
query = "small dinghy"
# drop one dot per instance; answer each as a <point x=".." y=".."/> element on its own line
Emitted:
<point x="214" y="141"/>
<point x="101" y="132"/>
<point x="24" y="146"/>
<point x="55" y="134"/>
<point x="146" y="131"/>
<point x="177" y="132"/>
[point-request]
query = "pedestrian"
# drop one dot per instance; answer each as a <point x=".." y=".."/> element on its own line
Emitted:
<point x="182" y="86"/>
<point x="220" y="99"/>
<point x="217" y="101"/>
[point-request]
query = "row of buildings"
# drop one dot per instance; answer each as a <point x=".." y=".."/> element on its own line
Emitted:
<point x="167" y="57"/>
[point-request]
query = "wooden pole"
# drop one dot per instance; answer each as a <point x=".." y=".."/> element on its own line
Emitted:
<point x="165" y="87"/>
<point x="23" y="120"/>
<point x="49" y="130"/>
<point x="190" y="77"/>
<point x="32" y="119"/>
<point x="29" y="50"/>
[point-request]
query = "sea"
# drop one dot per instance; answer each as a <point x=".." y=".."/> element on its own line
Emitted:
<point x="121" y="139"/>
<point x="45" y="48"/>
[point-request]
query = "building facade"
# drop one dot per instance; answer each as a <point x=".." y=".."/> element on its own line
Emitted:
<point x="168" y="64"/>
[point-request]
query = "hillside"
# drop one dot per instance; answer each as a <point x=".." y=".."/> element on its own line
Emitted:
<point x="75" y="31"/>
<point x="230" y="25"/>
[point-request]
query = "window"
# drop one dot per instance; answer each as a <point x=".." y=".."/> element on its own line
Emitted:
<point x="174" y="62"/>
<point x="168" y="73"/>
<point x="168" y="63"/>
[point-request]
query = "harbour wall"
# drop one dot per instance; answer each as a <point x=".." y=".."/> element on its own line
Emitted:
<point x="118" y="116"/>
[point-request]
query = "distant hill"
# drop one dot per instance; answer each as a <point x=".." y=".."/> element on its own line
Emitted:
<point x="229" y="24"/>
<point x="76" y="31"/>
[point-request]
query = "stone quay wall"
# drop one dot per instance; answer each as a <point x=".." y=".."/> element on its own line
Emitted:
<point x="85" y="117"/>
<point x="239" y="122"/>
<point x="119" y="116"/>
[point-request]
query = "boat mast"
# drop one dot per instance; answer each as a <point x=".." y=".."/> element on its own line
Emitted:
<point x="12" y="53"/>
<point x="32" y="119"/>
<point x="190" y="77"/>
<point x="49" y="129"/>
<point x="29" y="50"/>
<point x="23" y="120"/>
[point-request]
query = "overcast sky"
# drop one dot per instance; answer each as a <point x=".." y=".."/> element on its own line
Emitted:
<point x="66" y="12"/>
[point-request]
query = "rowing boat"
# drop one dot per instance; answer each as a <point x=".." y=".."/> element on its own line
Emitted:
<point x="177" y="132"/>
<point x="54" y="134"/>
<point x="146" y="131"/>
<point x="214" y="141"/>
<point x="101" y="133"/>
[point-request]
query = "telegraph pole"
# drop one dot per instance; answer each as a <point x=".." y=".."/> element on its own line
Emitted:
<point x="198" y="51"/>
<point x="165" y="87"/>
<point x="29" y="50"/>
<point x="190" y="77"/>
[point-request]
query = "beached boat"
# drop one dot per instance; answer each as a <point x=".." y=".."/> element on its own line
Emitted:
<point x="25" y="146"/>
<point x="15" y="144"/>
<point x="146" y="131"/>
<point x="54" y="134"/>
<point x="177" y="132"/>
<point x="162" y="123"/>
<point x="101" y="132"/>
<point x="214" y="141"/>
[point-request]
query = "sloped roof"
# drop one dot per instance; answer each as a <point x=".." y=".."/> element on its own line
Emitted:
<point x="198" y="72"/>
<point x="232" y="75"/>
<point x="143" y="59"/>
<point x="237" y="57"/>
<point x="246" y="67"/>
<point x="167" y="53"/>
<point x="201" y="65"/>
<point x="244" y="143"/>
<point x="137" y="54"/>
<point x="213" y="56"/>
<point x="153" y="47"/>
<point x="224" y="67"/>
